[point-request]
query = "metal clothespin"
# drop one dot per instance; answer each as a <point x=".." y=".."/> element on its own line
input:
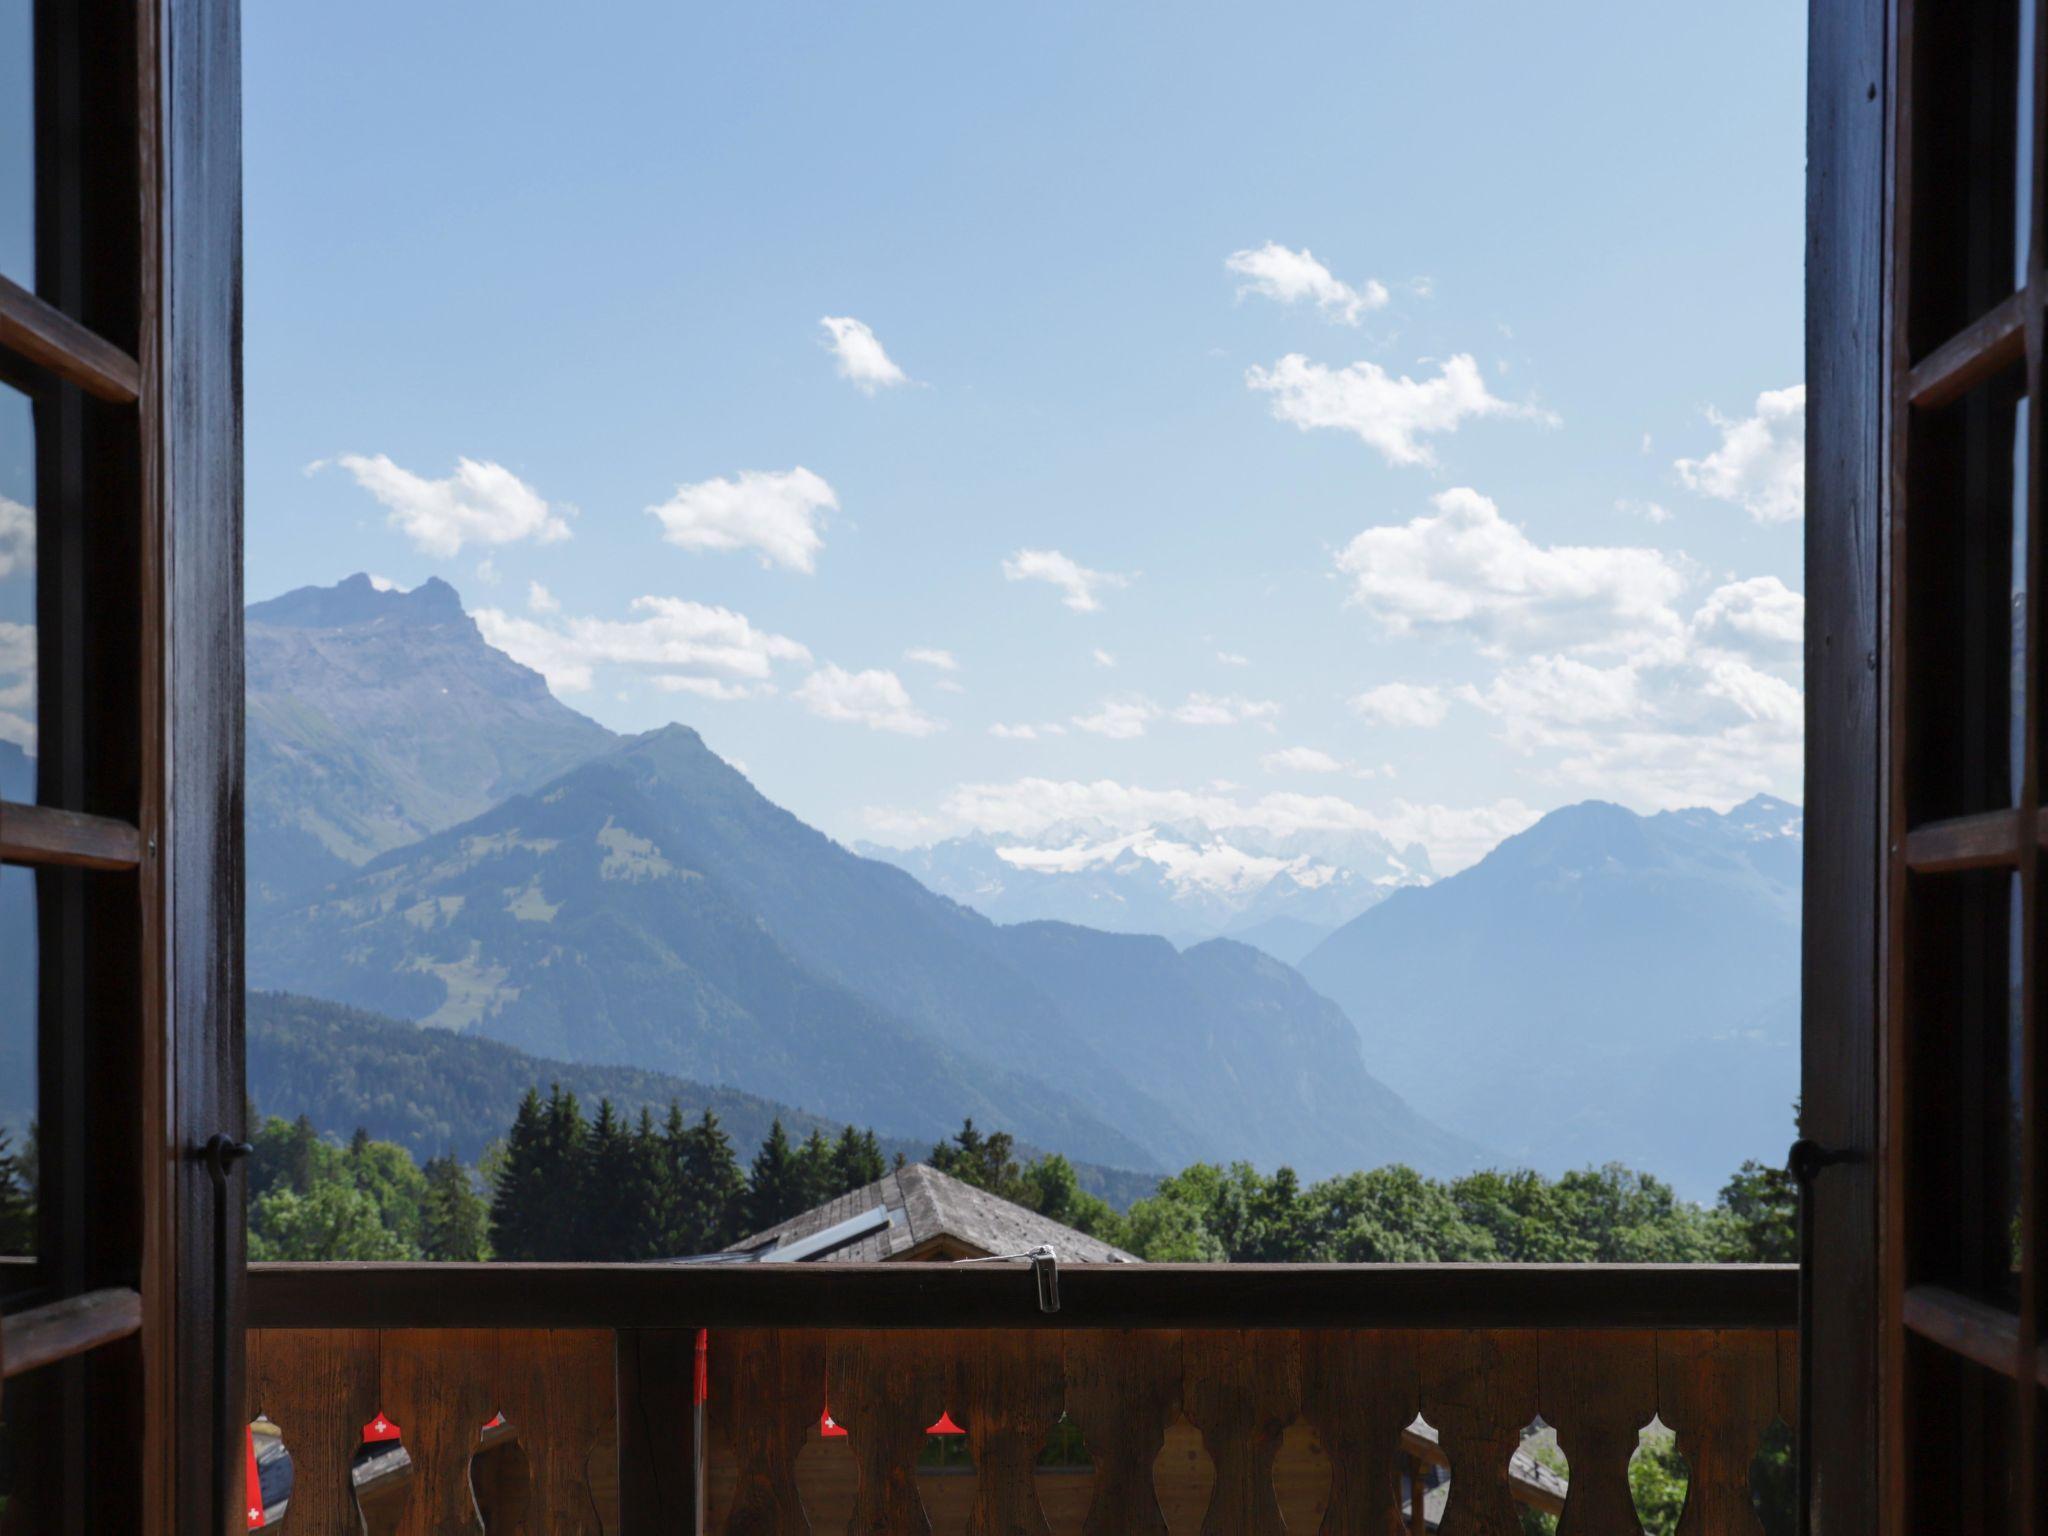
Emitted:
<point x="1045" y="1271"/>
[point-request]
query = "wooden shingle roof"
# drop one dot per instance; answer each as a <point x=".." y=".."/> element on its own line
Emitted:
<point x="932" y="1215"/>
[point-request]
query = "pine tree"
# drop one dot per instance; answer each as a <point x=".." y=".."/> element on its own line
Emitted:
<point x="453" y="1219"/>
<point x="300" y="1156"/>
<point x="621" y="1197"/>
<point x="818" y="1176"/>
<point x="520" y="1204"/>
<point x="566" y="1144"/>
<point x="986" y="1162"/>
<point x="856" y="1160"/>
<point x="652" y="1196"/>
<point x="711" y="1196"/>
<point x="777" y="1188"/>
<point x="674" y="1224"/>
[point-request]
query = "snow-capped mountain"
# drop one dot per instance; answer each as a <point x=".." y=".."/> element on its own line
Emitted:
<point x="1281" y="891"/>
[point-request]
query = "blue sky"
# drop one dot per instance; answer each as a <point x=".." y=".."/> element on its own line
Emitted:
<point x="591" y="254"/>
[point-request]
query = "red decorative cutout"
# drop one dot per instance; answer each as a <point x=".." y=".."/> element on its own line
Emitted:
<point x="828" y="1426"/>
<point x="381" y="1428"/>
<point x="253" y="1488"/>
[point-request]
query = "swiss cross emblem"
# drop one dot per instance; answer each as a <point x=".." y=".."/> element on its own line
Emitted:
<point x="380" y="1428"/>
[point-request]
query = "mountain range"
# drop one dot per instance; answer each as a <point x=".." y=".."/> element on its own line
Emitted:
<point x="1603" y="986"/>
<point x="647" y="907"/>
<point x="1282" y="892"/>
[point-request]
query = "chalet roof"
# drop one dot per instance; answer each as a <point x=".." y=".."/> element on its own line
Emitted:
<point x="931" y="1215"/>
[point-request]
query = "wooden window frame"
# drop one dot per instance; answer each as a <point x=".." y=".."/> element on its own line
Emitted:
<point x="143" y="1342"/>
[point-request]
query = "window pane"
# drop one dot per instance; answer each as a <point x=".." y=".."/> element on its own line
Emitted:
<point x="1969" y="165"/>
<point x="17" y="595"/>
<point x="1963" y="975"/>
<point x="1963" y="603"/>
<point x="17" y="142"/>
<point x="18" y="1075"/>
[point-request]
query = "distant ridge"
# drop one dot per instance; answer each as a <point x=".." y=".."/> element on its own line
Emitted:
<point x="434" y="1092"/>
<point x="1601" y="986"/>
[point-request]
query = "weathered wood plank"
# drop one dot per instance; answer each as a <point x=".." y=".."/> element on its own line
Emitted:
<point x="1360" y="1391"/>
<point x="558" y="1388"/>
<point x="1719" y="1391"/>
<point x="768" y="1386"/>
<point x="1123" y="1390"/>
<point x="1479" y="1388"/>
<point x="439" y="1386"/>
<point x="1598" y="1389"/>
<point x="319" y="1387"/>
<point x="884" y="1390"/>
<point x="1007" y="1392"/>
<point x="1241" y="1389"/>
<point x="657" y="1421"/>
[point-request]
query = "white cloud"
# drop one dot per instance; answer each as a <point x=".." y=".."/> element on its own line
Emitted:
<point x="1711" y="722"/>
<point x="774" y="512"/>
<point x="1119" y="719"/>
<point x="1648" y="511"/>
<point x="1761" y="611"/>
<point x="17" y="538"/>
<point x="1761" y="463"/>
<point x="481" y="503"/>
<point x="1549" y="701"/>
<point x="1300" y="760"/>
<point x="1289" y="277"/>
<point x="1074" y="579"/>
<point x="487" y="571"/>
<point x="1466" y="568"/>
<point x="1029" y="808"/>
<point x="1014" y="732"/>
<point x="860" y="355"/>
<point x="1104" y="660"/>
<point x="540" y="600"/>
<point x="1401" y="704"/>
<point x="384" y="584"/>
<point x="1233" y="709"/>
<point x="1390" y="414"/>
<point x="930" y="656"/>
<point x="1232" y="659"/>
<point x="18" y="684"/>
<point x="669" y="632"/>
<point x="710" y="687"/>
<point x="875" y="699"/>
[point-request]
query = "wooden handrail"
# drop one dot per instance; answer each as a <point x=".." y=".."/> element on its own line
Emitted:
<point x="1510" y="1296"/>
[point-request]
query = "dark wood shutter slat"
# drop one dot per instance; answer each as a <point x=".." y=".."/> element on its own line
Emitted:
<point x="52" y="340"/>
<point x="37" y="834"/>
<point x="1990" y="344"/>
<point x="1965" y="1326"/>
<point x="44" y="1335"/>
<point x="1991" y="840"/>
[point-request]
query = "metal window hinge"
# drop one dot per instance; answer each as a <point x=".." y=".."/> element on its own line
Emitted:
<point x="1045" y="1270"/>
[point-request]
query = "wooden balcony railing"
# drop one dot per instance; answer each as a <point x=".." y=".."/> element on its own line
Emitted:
<point x="562" y="1398"/>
